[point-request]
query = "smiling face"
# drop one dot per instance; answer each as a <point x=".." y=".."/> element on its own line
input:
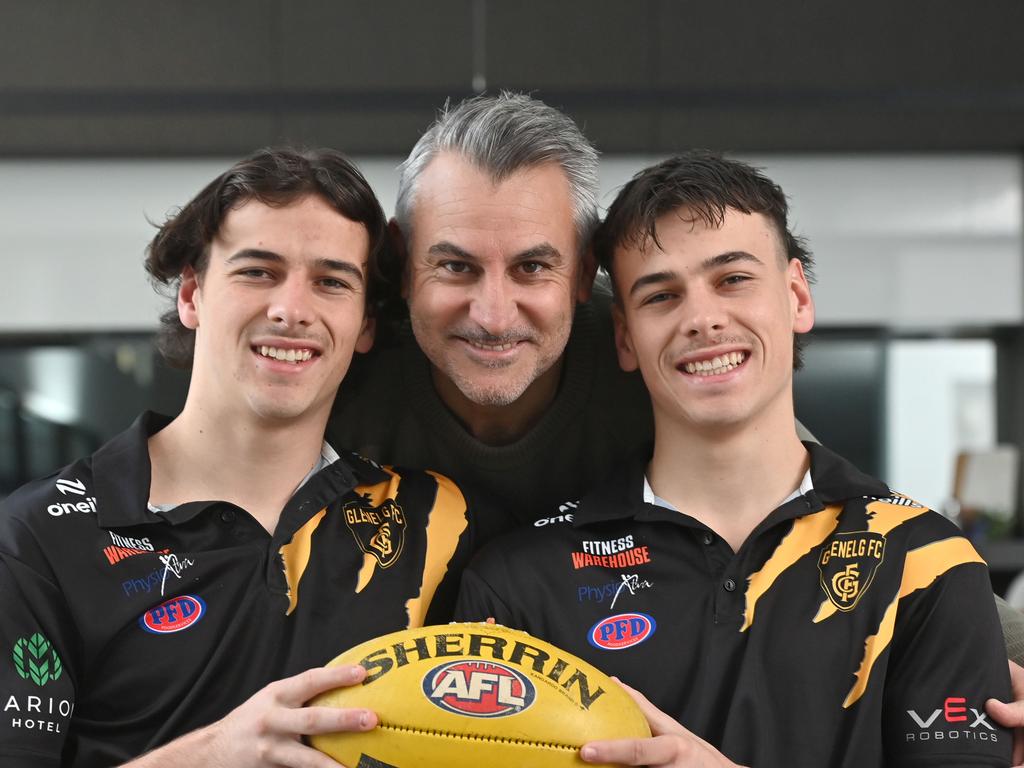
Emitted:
<point x="493" y="274"/>
<point x="278" y="311"/>
<point x="709" y="319"/>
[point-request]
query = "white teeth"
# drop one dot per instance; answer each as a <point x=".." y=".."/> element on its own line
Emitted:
<point x="492" y="347"/>
<point x="286" y="355"/>
<point x="716" y="365"/>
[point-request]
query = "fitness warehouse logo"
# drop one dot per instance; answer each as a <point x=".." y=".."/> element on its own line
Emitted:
<point x="123" y="547"/>
<point x="953" y="721"/>
<point x="610" y="553"/>
<point x="847" y="564"/>
<point x="36" y="662"/>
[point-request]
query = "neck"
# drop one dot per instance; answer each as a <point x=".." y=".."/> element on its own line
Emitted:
<point x="498" y="425"/>
<point x="256" y="464"/>
<point x="728" y="477"/>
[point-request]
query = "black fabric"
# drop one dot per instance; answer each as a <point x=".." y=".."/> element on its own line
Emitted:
<point x="758" y="651"/>
<point x="87" y="573"/>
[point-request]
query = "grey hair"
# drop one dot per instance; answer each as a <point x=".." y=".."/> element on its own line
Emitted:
<point x="502" y="135"/>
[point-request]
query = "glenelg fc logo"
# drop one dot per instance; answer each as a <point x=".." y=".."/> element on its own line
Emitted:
<point x="479" y="689"/>
<point x="848" y="563"/>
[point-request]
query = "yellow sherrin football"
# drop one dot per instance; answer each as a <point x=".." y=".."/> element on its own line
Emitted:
<point x="475" y="696"/>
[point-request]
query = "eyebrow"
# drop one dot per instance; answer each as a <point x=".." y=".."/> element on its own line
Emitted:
<point x="258" y="254"/>
<point x="710" y="263"/>
<point x="539" y="251"/>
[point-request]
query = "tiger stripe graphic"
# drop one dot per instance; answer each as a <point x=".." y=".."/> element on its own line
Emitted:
<point x="922" y="567"/>
<point x="807" y="533"/>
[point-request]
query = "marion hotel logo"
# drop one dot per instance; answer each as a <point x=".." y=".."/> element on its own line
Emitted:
<point x="38" y="664"/>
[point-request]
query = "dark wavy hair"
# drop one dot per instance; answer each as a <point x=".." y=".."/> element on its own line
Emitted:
<point x="704" y="184"/>
<point x="275" y="176"/>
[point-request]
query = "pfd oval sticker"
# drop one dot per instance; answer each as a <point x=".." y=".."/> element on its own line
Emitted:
<point x="479" y="689"/>
<point x="621" y="631"/>
<point x="173" y="615"/>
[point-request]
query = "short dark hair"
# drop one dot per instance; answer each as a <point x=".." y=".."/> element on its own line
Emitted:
<point x="275" y="176"/>
<point x="704" y="184"/>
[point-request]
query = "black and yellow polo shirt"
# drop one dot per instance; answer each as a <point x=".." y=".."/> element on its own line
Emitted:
<point x="122" y="628"/>
<point x="853" y="628"/>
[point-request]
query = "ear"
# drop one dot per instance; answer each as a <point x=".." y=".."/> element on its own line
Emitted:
<point x="365" y="341"/>
<point x="800" y="297"/>
<point x="623" y="342"/>
<point x="588" y="271"/>
<point x="401" y="250"/>
<point x="188" y="299"/>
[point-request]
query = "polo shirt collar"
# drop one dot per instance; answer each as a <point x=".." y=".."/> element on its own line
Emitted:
<point x="832" y="479"/>
<point x="122" y="472"/>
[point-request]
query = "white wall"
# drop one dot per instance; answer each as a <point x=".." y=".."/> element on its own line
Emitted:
<point x="907" y="241"/>
<point x="902" y="241"/>
<point x="940" y="399"/>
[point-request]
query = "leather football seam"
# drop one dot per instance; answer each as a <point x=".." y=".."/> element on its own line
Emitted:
<point x="475" y="737"/>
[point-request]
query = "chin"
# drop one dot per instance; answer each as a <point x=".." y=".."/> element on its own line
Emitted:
<point x="490" y="391"/>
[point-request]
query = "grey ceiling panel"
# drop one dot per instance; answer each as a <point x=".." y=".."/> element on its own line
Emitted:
<point x="572" y="44"/>
<point x="107" y="44"/>
<point x="397" y="45"/>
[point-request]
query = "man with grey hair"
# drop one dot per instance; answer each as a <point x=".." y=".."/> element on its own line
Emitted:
<point x="503" y="370"/>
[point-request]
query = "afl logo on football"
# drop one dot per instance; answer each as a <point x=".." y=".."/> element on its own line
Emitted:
<point x="622" y="631"/>
<point x="173" y="615"/>
<point x="479" y="689"/>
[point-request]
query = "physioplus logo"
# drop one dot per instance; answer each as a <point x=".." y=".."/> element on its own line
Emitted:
<point x="36" y="660"/>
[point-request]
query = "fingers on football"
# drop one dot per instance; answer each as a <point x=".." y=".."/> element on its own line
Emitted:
<point x="296" y="691"/>
<point x="309" y="721"/>
<point x="659" y="751"/>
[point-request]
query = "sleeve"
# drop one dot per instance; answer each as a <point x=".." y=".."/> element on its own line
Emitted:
<point x="947" y="659"/>
<point x="478" y="602"/>
<point x="1013" y="630"/>
<point x="37" y="637"/>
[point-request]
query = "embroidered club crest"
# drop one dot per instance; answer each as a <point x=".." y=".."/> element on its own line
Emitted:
<point x="379" y="531"/>
<point x="848" y="563"/>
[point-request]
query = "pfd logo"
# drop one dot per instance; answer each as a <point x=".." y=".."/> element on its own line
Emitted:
<point x="379" y="531"/>
<point x="36" y="660"/>
<point x="847" y="564"/>
<point x="621" y="631"/>
<point x="173" y="615"/>
<point x="479" y="689"/>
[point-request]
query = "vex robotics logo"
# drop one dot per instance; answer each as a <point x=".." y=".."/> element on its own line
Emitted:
<point x="35" y="660"/>
<point x="479" y="689"/>
<point x="848" y="563"/>
<point x="951" y="723"/>
<point x="379" y="531"/>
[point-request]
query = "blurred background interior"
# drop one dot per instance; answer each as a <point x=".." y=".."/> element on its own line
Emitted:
<point x="897" y="130"/>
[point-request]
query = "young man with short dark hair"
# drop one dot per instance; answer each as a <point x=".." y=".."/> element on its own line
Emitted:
<point x="784" y="607"/>
<point x="210" y="563"/>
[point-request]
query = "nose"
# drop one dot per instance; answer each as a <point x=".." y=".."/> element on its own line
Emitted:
<point x="291" y="303"/>
<point x="705" y="314"/>
<point x="494" y="306"/>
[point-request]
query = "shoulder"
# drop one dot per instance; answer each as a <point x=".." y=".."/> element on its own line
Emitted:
<point x="418" y="489"/>
<point x="46" y="521"/>
<point x="63" y="492"/>
<point x="527" y="542"/>
<point x="928" y="544"/>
